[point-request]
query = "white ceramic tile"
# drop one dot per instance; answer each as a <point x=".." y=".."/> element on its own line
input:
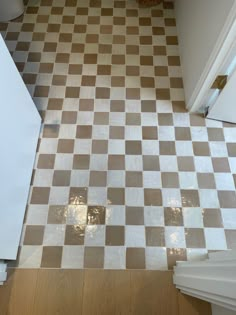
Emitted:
<point x="230" y="134"/>
<point x="133" y="163"/>
<point x="168" y="163"/>
<point x="203" y="164"/>
<point x="197" y="254"/>
<point x="85" y="118"/>
<point x="97" y="196"/>
<point x="229" y="218"/>
<point x="166" y="134"/>
<point x="150" y="147"/>
<point x="76" y="215"/>
<point x="171" y="197"/>
<point x="208" y="198"/>
<point x="156" y="258"/>
<point x="54" y="235"/>
<point x="164" y="107"/>
<point x="115" y="257"/>
<point x="232" y="163"/>
<point x="116" y="146"/>
<point x="154" y="216"/>
<point x="98" y="162"/>
<point x="30" y="256"/>
<point x="149" y="119"/>
<point x="82" y="146"/>
<point x="59" y="195"/>
<point x="67" y="131"/>
<point x="215" y="239"/>
<point x="188" y="180"/>
<point x="79" y="178"/>
<point x="193" y="217"/>
<point x="63" y="161"/>
<point x="218" y="149"/>
<point x="72" y="257"/>
<point x="117" y="119"/>
<point x="135" y="236"/>
<point x="151" y="179"/>
<point x="175" y="237"/>
<point x="115" y="215"/>
<point x="134" y="197"/>
<point x="116" y="178"/>
<point x="224" y="181"/>
<point x="37" y="215"/>
<point x="181" y="119"/>
<point x="100" y="132"/>
<point x="184" y="148"/>
<point x="133" y="133"/>
<point x="94" y="235"/>
<point x="199" y="134"/>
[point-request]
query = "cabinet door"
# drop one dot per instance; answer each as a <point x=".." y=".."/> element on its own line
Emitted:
<point x="19" y="131"/>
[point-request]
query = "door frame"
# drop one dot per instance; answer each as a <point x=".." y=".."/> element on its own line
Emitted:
<point x="218" y="63"/>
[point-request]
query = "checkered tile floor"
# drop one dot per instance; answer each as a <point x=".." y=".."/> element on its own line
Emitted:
<point x="124" y="177"/>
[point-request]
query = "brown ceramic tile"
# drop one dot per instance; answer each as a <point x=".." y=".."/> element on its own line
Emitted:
<point x="104" y="70"/>
<point x="61" y="178"/>
<point x="133" y="147"/>
<point x="57" y="215"/>
<point x="151" y="163"/>
<point x="53" y="28"/>
<point x="179" y="107"/>
<point x="201" y="149"/>
<point x="148" y="106"/>
<point x="34" y="57"/>
<point x="98" y="179"/>
<point x="22" y="46"/>
<point x="46" y="161"/>
<point x="161" y="71"/>
<point x="197" y="120"/>
<point x="195" y="238"/>
<point x="34" y="235"/>
<point x="173" y="216"/>
<point x="116" y="162"/>
<point x="159" y="50"/>
<point x="55" y="103"/>
<point x="29" y="78"/>
<point x="96" y="215"/>
<point x="117" y="132"/>
<point x="171" y="40"/>
<point x="173" y="60"/>
<point x="74" y="235"/>
<point x="157" y="13"/>
<point x="215" y="134"/>
<point x="81" y="161"/>
<point x="182" y="133"/>
<point x="118" y="20"/>
<point x="170" y="180"/>
<point x="132" y="71"/>
<point x="132" y="93"/>
<point x="212" y="218"/>
<point x="176" y="83"/>
<point x="100" y="146"/>
<point x="101" y="118"/>
<point x="102" y="92"/>
<point x="157" y="30"/>
<point x="51" y="131"/>
<point x="50" y="47"/>
<point x="220" y="165"/>
<point x="152" y="197"/>
<point x="40" y="195"/>
<point x="144" y="21"/>
<point x="146" y="60"/>
<point x="115" y="235"/>
<point x="75" y="69"/>
<point x="72" y="91"/>
<point x="206" y="181"/>
<point x="51" y="257"/>
<point x="190" y="198"/>
<point x="133" y="119"/>
<point x="78" y="195"/>
<point x="69" y="117"/>
<point x="106" y="29"/>
<point x="147" y="82"/>
<point x="132" y="49"/>
<point x="135" y="258"/>
<point x="231" y="147"/>
<point x="134" y="179"/>
<point x="104" y="49"/>
<point x="59" y="80"/>
<point x="90" y="58"/>
<point x="41" y="91"/>
<point x="174" y="255"/>
<point x="46" y="67"/>
<point x="230" y="236"/>
<point x="165" y="119"/>
<point x="167" y="148"/>
<point x="149" y="133"/>
<point x="65" y="38"/>
<point x="162" y="94"/>
<point x="155" y="236"/>
<point x="116" y="196"/>
<point x="134" y="216"/>
<point x="65" y="146"/>
<point x="227" y="199"/>
<point x="117" y="81"/>
<point x="88" y="80"/>
<point x="62" y="58"/>
<point x="117" y="106"/>
<point x="86" y="105"/>
<point x="93" y="257"/>
<point x="84" y="132"/>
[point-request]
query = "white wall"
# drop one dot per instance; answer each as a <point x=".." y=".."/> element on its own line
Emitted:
<point x="218" y="310"/>
<point x="199" y="25"/>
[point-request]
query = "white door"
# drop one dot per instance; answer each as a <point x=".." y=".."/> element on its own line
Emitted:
<point x="19" y="130"/>
<point x="224" y="108"/>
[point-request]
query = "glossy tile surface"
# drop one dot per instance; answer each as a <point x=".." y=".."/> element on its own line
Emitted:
<point x="124" y="177"/>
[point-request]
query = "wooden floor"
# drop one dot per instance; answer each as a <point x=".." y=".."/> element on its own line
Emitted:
<point x="101" y="292"/>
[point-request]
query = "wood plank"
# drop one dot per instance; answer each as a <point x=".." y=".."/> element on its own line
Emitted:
<point x="153" y="293"/>
<point x="189" y="305"/>
<point x="19" y="292"/>
<point x="5" y="292"/>
<point x="106" y="292"/>
<point x="58" y="292"/>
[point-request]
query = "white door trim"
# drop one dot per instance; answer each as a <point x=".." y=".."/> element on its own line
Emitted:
<point x="221" y="54"/>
